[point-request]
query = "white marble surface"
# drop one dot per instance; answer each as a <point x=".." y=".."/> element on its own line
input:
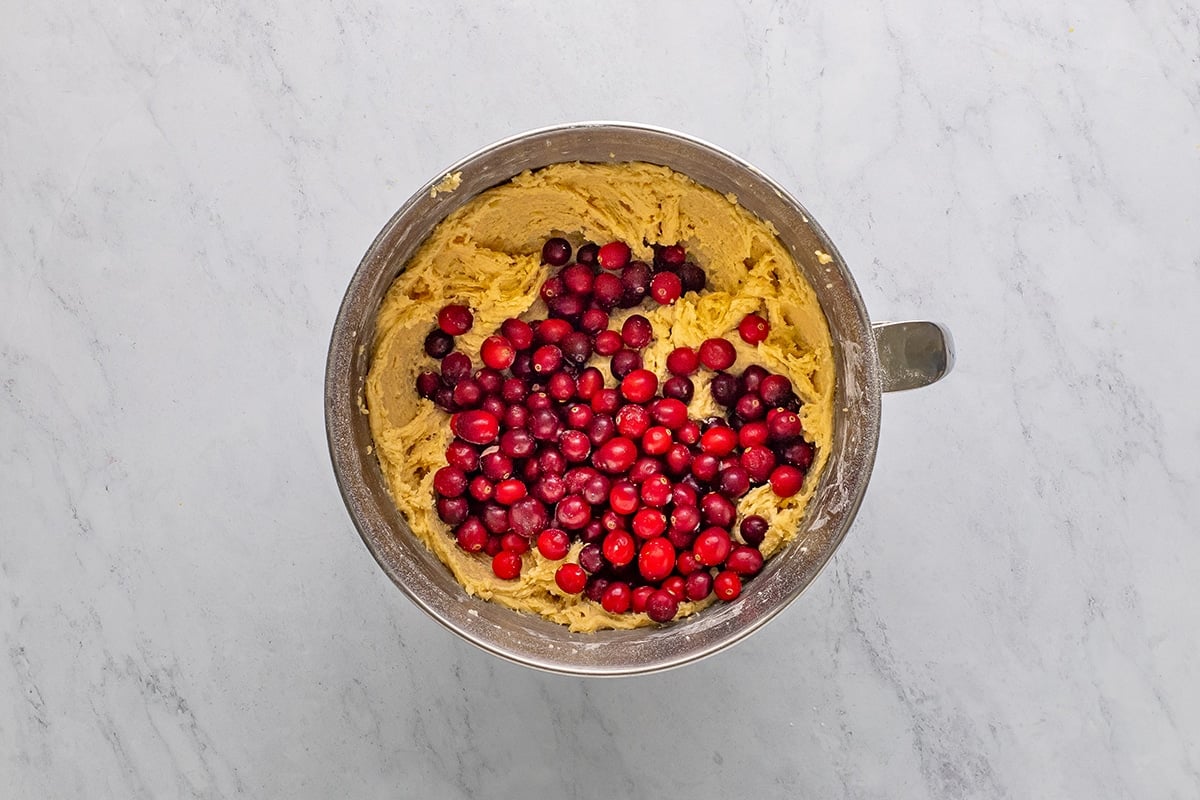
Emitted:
<point x="185" y="609"/>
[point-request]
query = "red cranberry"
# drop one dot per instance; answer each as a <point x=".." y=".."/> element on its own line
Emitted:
<point x="492" y="405"/>
<point x="427" y="384"/>
<point x="662" y="606"/>
<point x="514" y="390"/>
<point x="745" y="561"/>
<point x="471" y="535"/>
<point x="752" y="377"/>
<point x="481" y="488"/>
<point x="593" y="321"/>
<point x="510" y="491"/>
<point x="679" y="388"/>
<point x="553" y="543"/>
<point x="645" y="467"/>
<point x="568" y="306"/>
<point x="575" y="446"/>
<point x="556" y="251"/>
<point x="717" y="354"/>
<point x="601" y="429"/>
<point x="656" y="441"/>
<point x="594" y="590"/>
<point x="570" y="578"/>
<point x="674" y="586"/>
<point x="697" y="586"/>
<point x="573" y="512"/>
<point x="619" y="548"/>
<point x="638" y="598"/>
<point x="724" y="388"/>
<point x="670" y="256"/>
<point x="613" y="255"/>
<point x="449" y="481"/>
<point x="752" y="434"/>
<point x="515" y="417"/>
<point x="552" y="288"/>
<point x="635" y="283"/>
<point x="632" y="420"/>
<point x="685" y="519"/>
<point x="786" y="480"/>
<point x="712" y="547"/>
<point x="617" y="598"/>
<point x="462" y="455"/>
<point x="692" y="276"/>
<point x="670" y="412"/>
<point x="497" y="352"/>
<point x="727" y="585"/>
<point x="551" y="331"/>
<point x="717" y="510"/>
<point x="588" y="383"/>
<point x="607" y="291"/>
<point x="665" y="288"/>
<point x="544" y="425"/>
<point x="686" y="564"/>
<point x="587" y="253"/>
<point x="578" y="278"/>
<point x="561" y="387"/>
<point x="518" y="333"/>
<point x="547" y="359"/>
<point x="438" y="343"/>
<point x="718" y="440"/>
<point x="656" y="491"/>
<point x="489" y="380"/>
<point x="476" y="427"/>
<point x="689" y="433"/>
<point x="775" y="390"/>
<point x="678" y="459"/>
<point x="455" y="319"/>
<point x="624" y="497"/>
<point x="624" y="362"/>
<point x="784" y="427"/>
<point x="615" y="456"/>
<point x="507" y="565"/>
<point x="552" y="462"/>
<point x="639" y="385"/>
<point x="798" y="454"/>
<point x="550" y="488"/>
<point x="733" y="482"/>
<point x="492" y="546"/>
<point x="517" y="443"/>
<point x="685" y="495"/>
<point x="758" y="462"/>
<point x="608" y="343"/>
<point x="648" y="523"/>
<point x="656" y="559"/>
<point x="595" y="491"/>
<point x="514" y="543"/>
<point x="531" y="470"/>
<point x="591" y="558"/>
<point x="753" y="329"/>
<point x="636" y="332"/>
<point x="455" y="367"/>
<point x="750" y="407"/>
<point x="496" y="466"/>
<point x="452" y="510"/>
<point x="606" y="401"/>
<point x="577" y="478"/>
<point x="683" y="361"/>
<point x="495" y="518"/>
<point x="705" y="467"/>
<point x="612" y="521"/>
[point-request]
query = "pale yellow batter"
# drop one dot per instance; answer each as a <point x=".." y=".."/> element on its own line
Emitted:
<point x="487" y="256"/>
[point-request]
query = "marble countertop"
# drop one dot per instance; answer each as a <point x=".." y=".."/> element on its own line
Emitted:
<point x="185" y="608"/>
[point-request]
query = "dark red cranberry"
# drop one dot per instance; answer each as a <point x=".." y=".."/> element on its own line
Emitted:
<point x="462" y="455"/>
<point x="576" y="347"/>
<point x="551" y="331"/>
<point x="591" y="558"/>
<point x="697" y="586"/>
<point x="787" y="480"/>
<point x="656" y="491"/>
<point x="556" y="252"/>
<point x="595" y="589"/>
<point x="538" y="401"/>
<point x="476" y="427"/>
<point x="606" y="401"/>
<point x="444" y="399"/>
<point x="752" y="377"/>
<point x="452" y="510"/>
<point x="573" y="512"/>
<point x="753" y="329"/>
<point x="712" y="547"/>
<point x="665" y="288"/>
<point x="624" y="362"/>
<point x="438" y="343"/>
<point x="544" y="425"/>
<point x="515" y="416"/>
<point x="587" y="253"/>
<point x="608" y="343"/>
<point x="635" y="283"/>
<point x="615" y="456"/>
<point x="689" y="432"/>
<point x="612" y="521"/>
<point x="753" y="529"/>
<point x="619" y="548"/>
<point x="745" y="561"/>
<point x="495" y="518"/>
<point x="522" y="366"/>
<point x="733" y="482"/>
<point x="717" y="354"/>
<point x="593" y="321"/>
<point x="497" y="352"/>
<point x="590" y="381"/>
<point x="455" y="367"/>
<point x="578" y="278"/>
<point x="427" y="384"/>
<point x="568" y="306"/>
<point x="636" y="332"/>
<point x="718" y="510"/>
<point x="551" y="461"/>
<point x="595" y="491"/>
<point x="579" y="415"/>
<point x="686" y="519"/>
<point x="678" y="459"/>
<point x="727" y="585"/>
<point x="471" y="535"/>
<point x="645" y="467"/>
<point x="669" y="257"/>
<point x="679" y="388"/>
<point x="613" y="255"/>
<point x="656" y="559"/>
<point x="784" y="427"/>
<point x="749" y="407"/>
<point x="705" y="467"/>
<point x="639" y="385"/>
<point x="561" y="386"/>
<point x="553" y="543"/>
<point x="692" y="277"/>
<point x="531" y="470"/>
<point x="496" y="466"/>
<point x="528" y="516"/>
<point x="493" y="405"/>
<point x="518" y="333"/>
<point x="575" y="446"/>
<point x="758" y="462"/>
<point x="450" y="481"/>
<point x="493" y="546"/>
<point x="593" y="531"/>
<point x="685" y="495"/>
<point x="490" y="380"/>
<point x="662" y="606"/>
<point x="798" y="454"/>
<point x="517" y="443"/>
<point x="455" y="319"/>
<point x="724" y="388"/>
<point x="550" y="488"/>
<point x="601" y="429"/>
<point x="571" y="578"/>
<point x="607" y="291"/>
<point x="514" y="390"/>
<point x="467" y="393"/>
<point x="552" y="288"/>
<point x="775" y="390"/>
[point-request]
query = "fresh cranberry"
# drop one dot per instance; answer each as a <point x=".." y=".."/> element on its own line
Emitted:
<point x="680" y="538"/>
<point x="669" y="256"/>
<point x="601" y="429"/>
<point x="476" y="427"/>
<point x="510" y="491"/>
<point x="775" y="390"/>
<point x="481" y="488"/>
<point x="427" y="384"/>
<point x="636" y="332"/>
<point x="492" y="546"/>
<point x="538" y="401"/>
<point x="489" y="380"/>
<point x="648" y="523"/>
<point x="689" y="432"/>
<point x="786" y="480"/>
<point x="455" y="367"/>
<point x="712" y="547"/>
<point x="551" y="461"/>
<point x="497" y="352"/>
<point x="438" y="343"/>
<point x="752" y="377"/>
<point x="784" y="427"/>
<point x="656" y="441"/>
<point x="588" y="383"/>
<point x="692" y="276"/>
<point x="745" y="561"/>
<point x="593" y="321"/>
<point x="493" y="405"/>
<point x="517" y="443"/>
<point x="639" y="597"/>
<point x="514" y="543"/>
<point x="552" y="288"/>
<point x="496" y="466"/>
<point x="753" y="329"/>
<point x="683" y="361"/>
<point x="573" y="512"/>
<point x="758" y="462"/>
<point x="752" y="434"/>
<point x="686" y="563"/>
<point x="697" y="586"/>
<point x="656" y="559"/>
<point x="495" y="518"/>
<point x="575" y="446"/>
<point x="522" y="365"/>
<point x="645" y="467"/>
<point x="612" y="521"/>
<point x="798" y="454"/>
<point x="679" y="388"/>
<point x="733" y="482"/>
<point x="595" y="490"/>
<point x="531" y="470"/>
<point x="518" y="333"/>
<point x="669" y="412"/>
<point x="613" y="255"/>
<point x="750" y="407"/>
<point x="619" y="548"/>
<point x="578" y="278"/>
<point x="624" y="497"/>
<point x="717" y="354"/>
<point x="753" y="529"/>
<point x="606" y="401"/>
<point x="455" y="319"/>
<point x="452" y="510"/>
<point x="639" y="386"/>
<point x="594" y="590"/>
<point x="593" y="531"/>
<point x="635" y="283"/>
<point x="724" y="389"/>
<point x="727" y="585"/>
<point x="587" y="253"/>
<point x="569" y="307"/>
<point x="552" y="331"/>
<point x="705" y="467"/>
<point x="462" y="455"/>
<point x="471" y="535"/>
<point x="617" y="598"/>
<point x="591" y="558"/>
<point x="514" y="390"/>
<point x="545" y="425"/>
<point x="662" y="606"/>
<point x="656" y="491"/>
<point x="507" y="565"/>
<point x="624" y="362"/>
<point x="678" y="459"/>
<point x="718" y="441"/>
<point x="615" y="456"/>
<point x="553" y="543"/>
<point x="561" y="386"/>
<point x="674" y="586"/>
<point x="607" y="291"/>
<point x="549" y="488"/>
<point x="449" y="481"/>
<point x="547" y="359"/>
<point x="665" y="288"/>
<point x="556" y="251"/>
<point x="444" y="399"/>
<point x="571" y="578"/>
<point x="632" y="420"/>
<point x="608" y="343"/>
<point x="685" y="495"/>
<point x="718" y="510"/>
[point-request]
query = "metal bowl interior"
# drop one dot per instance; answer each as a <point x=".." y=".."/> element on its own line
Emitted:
<point x="528" y="639"/>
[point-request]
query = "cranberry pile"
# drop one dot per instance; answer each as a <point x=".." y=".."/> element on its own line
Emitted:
<point x="545" y="455"/>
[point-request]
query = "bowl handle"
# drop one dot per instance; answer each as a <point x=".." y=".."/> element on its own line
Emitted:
<point x="913" y="354"/>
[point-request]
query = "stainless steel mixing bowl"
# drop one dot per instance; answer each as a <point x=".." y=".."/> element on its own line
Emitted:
<point x="869" y="359"/>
